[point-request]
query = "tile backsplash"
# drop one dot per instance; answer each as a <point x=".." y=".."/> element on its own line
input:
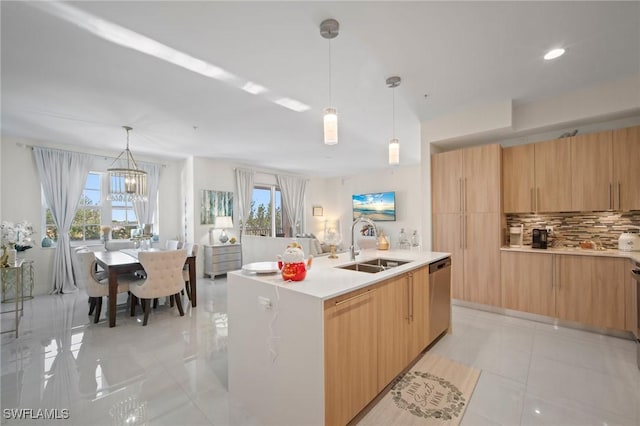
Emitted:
<point x="572" y="228"/>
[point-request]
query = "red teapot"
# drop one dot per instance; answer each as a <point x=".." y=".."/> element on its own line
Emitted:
<point x="292" y="263"/>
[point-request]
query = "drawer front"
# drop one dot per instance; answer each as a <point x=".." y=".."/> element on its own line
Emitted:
<point x="222" y="267"/>
<point x="227" y="257"/>
<point x="221" y="250"/>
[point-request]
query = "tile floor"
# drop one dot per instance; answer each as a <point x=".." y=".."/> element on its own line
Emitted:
<point x="174" y="371"/>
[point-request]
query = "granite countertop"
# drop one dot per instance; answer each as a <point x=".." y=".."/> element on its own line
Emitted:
<point x="325" y="280"/>
<point x="634" y="255"/>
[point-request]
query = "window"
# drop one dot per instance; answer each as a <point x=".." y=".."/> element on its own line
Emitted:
<point x="123" y="217"/>
<point x="267" y="217"/>
<point x="94" y="211"/>
<point x="86" y="222"/>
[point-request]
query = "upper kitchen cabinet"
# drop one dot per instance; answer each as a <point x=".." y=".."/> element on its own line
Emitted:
<point x="466" y="180"/>
<point x="537" y="177"/>
<point x="626" y="172"/>
<point x="446" y="182"/>
<point x="591" y="167"/>
<point x="518" y="179"/>
<point x="480" y="178"/>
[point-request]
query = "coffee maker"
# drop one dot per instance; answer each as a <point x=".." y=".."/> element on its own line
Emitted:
<point x="516" y="234"/>
<point x="539" y="238"/>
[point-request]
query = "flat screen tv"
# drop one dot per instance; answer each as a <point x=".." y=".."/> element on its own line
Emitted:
<point x="378" y="206"/>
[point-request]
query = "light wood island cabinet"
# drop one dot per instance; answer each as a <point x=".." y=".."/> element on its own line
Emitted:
<point x="351" y="378"/>
<point x="403" y="322"/>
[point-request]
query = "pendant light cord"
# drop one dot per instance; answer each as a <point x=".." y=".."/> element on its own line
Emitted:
<point x="330" y="66"/>
<point x="394" y="112"/>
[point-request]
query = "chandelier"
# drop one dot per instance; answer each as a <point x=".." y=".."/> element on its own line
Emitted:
<point x="127" y="182"/>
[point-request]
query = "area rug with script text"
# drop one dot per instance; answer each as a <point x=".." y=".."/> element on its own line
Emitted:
<point x="435" y="391"/>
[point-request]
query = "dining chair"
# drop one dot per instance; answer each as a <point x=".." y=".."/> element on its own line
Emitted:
<point x="172" y="245"/>
<point x="192" y="249"/>
<point x="96" y="288"/>
<point x="164" y="278"/>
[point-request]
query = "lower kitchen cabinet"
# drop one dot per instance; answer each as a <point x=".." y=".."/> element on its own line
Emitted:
<point x="580" y="288"/>
<point x="371" y="336"/>
<point x="403" y="322"/>
<point x="590" y="290"/>
<point x="527" y="282"/>
<point x="351" y="375"/>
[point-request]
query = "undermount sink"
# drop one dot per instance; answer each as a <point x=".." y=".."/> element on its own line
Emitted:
<point x="385" y="263"/>
<point x="374" y="265"/>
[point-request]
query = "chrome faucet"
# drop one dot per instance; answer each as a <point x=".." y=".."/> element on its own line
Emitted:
<point x="353" y="240"/>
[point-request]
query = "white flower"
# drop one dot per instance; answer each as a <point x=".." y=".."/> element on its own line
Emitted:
<point x="18" y="234"/>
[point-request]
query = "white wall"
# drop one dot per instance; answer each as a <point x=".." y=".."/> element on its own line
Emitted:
<point x="334" y="196"/>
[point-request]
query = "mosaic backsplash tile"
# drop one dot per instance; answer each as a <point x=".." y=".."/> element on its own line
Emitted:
<point x="572" y="228"/>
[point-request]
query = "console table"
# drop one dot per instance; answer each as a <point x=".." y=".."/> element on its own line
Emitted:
<point x="222" y="258"/>
<point x="14" y="280"/>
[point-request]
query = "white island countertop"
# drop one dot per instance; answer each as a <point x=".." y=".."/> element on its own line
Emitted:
<point x="326" y="280"/>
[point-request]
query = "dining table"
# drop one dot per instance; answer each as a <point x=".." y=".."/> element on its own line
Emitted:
<point x="118" y="262"/>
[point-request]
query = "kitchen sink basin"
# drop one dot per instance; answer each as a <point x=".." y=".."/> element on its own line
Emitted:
<point x="362" y="267"/>
<point x="385" y="263"/>
<point x="374" y="265"/>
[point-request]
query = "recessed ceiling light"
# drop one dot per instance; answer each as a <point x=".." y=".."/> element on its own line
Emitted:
<point x="554" y="53"/>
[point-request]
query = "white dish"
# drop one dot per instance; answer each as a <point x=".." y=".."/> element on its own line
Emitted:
<point x="261" y="267"/>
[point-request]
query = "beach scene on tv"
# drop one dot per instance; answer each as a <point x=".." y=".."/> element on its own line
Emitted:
<point x="380" y="206"/>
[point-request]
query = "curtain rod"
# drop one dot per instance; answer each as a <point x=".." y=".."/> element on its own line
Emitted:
<point x="106" y="157"/>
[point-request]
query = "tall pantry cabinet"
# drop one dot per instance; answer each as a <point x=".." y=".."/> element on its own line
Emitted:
<point x="467" y="219"/>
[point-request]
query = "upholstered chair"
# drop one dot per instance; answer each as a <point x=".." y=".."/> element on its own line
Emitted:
<point x="164" y="278"/>
<point x="96" y="288"/>
<point x="192" y="250"/>
<point x="172" y="245"/>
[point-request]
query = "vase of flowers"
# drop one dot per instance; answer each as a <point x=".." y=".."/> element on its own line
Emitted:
<point x="14" y="238"/>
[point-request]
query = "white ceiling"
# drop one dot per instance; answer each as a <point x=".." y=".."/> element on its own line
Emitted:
<point x="63" y="84"/>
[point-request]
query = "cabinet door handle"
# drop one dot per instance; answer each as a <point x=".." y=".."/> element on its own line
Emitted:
<point x="461" y="231"/>
<point x="464" y="197"/>
<point x="460" y="196"/>
<point x="619" y="199"/>
<point x="412" y="295"/>
<point x="464" y="222"/>
<point x="353" y="297"/>
<point x="537" y="198"/>
<point x="610" y="196"/>
<point x="532" y="199"/>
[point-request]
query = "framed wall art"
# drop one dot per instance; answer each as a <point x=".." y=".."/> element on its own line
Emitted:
<point x="215" y="203"/>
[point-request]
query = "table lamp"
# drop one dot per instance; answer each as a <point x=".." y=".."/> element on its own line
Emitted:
<point x="223" y="222"/>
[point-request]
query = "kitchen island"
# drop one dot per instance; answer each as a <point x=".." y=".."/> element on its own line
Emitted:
<point x="317" y="351"/>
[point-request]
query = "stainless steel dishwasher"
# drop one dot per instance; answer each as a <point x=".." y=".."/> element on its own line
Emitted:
<point x="439" y="297"/>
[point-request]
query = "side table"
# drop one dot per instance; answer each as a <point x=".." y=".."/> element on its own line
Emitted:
<point x="13" y="277"/>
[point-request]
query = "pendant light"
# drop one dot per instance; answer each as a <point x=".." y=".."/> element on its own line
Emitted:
<point x="127" y="182"/>
<point x="394" y="144"/>
<point x="329" y="28"/>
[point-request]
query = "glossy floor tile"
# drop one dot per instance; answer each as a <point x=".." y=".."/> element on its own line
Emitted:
<point x="174" y="371"/>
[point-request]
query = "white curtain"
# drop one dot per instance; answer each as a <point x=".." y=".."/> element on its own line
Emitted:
<point x="145" y="210"/>
<point x="244" y="188"/>
<point x="62" y="175"/>
<point x="292" y="189"/>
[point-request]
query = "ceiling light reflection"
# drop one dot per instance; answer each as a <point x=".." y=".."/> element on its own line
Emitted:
<point x="133" y="40"/>
<point x="292" y="104"/>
